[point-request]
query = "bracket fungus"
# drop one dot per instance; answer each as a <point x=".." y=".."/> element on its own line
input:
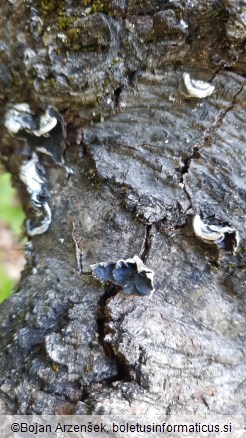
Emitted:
<point x="45" y="133"/>
<point x="194" y="88"/>
<point x="224" y="237"/>
<point x="46" y="123"/>
<point x="32" y="175"/>
<point x="132" y="274"/>
<point x="19" y="117"/>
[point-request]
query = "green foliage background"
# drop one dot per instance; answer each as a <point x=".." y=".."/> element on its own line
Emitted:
<point x="13" y="216"/>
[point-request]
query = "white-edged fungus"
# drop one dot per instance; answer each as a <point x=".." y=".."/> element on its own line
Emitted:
<point x="18" y="116"/>
<point x="44" y="133"/>
<point x="216" y="234"/>
<point x="132" y="274"/>
<point x="35" y="185"/>
<point x="46" y="123"/>
<point x="195" y="88"/>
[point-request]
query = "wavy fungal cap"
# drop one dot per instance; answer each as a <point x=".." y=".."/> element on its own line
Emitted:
<point x="132" y="274"/>
<point x="224" y="237"/>
<point x="20" y="116"/>
<point x="35" y="185"/>
<point x="195" y="88"/>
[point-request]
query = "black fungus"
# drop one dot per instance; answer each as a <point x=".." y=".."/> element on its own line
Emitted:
<point x="134" y="277"/>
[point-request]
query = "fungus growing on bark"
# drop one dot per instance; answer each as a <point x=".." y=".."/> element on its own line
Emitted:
<point x="195" y="88"/>
<point x="32" y="175"/>
<point x="224" y="237"/>
<point x="132" y="274"/>
<point x="45" y="133"/>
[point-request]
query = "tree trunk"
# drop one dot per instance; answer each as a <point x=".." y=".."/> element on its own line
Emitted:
<point x="147" y="150"/>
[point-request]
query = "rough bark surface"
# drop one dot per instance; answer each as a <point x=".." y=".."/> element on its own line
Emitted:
<point x="144" y="161"/>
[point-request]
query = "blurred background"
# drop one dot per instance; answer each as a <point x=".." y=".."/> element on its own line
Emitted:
<point x="11" y="236"/>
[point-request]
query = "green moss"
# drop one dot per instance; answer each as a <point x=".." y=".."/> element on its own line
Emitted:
<point x="56" y="11"/>
<point x="52" y="83"/>
<point x="76" y="48"/>
<point x="95" y="6"/>
<point x="86" y="3"/>
<point x="107" y="82"/>
<point x="55" y="367"/>
<point x="49" y="85"/>
<point x="75" y="40"/>
<point x="49" y="7"/>
<point x="99" y="6"/>
<point x="73" y="34"/>
<point x="92" y="172"/>
<point x="115" y="61"/>
<point x="22" y="314"/>
<point x="64" y="21"/>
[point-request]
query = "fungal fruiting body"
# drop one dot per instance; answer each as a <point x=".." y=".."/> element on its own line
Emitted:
<point x="195" y="88"/>
<point x="46" y="123"/>
<point x="45" y="133"/>
<point x="132" y="274"/>
<point x="19" y="117"/>
<point x="32" y="175"/>
<point x="224" y="237"/>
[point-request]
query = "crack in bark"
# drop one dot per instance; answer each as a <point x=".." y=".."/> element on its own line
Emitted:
<point x="147" y="243"/>
<point x="206" y="142"/>
<point x="117" y="94"/>
<point x="103" y="318"/>
<point x="208" y="135"/>
<point x="79" y="253"/>
<point x="131" y="76"/>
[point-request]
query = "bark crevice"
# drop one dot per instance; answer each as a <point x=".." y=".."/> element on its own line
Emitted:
<point x="147" y="243"/>
<point x="206" y="142"/>
<point x="103" y="326"/>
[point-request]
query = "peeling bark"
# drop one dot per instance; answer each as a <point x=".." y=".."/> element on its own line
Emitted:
<point x="140" y="161"/>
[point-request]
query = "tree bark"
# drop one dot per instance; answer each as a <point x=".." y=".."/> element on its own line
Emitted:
<point x="141" y="160"/>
